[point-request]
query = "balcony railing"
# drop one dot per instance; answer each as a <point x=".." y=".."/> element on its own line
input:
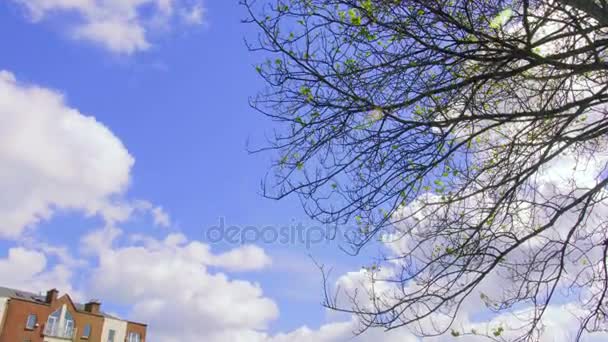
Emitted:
<point x="55" y="330"/>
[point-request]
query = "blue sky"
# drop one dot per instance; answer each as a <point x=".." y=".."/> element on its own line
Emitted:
<point x="168" y="84"/>
<point x="181" y="110"/>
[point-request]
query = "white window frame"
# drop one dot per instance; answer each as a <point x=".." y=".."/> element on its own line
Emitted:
<point x="52" y="322"/>
<point x="69" y="327"/>
<point x="33" y="325"/>
<point x="134" y="337"/>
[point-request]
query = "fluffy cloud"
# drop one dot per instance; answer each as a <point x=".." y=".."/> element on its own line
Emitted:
<point x="121" y="26"/>
<point x="342" y="331"/>
<point x="116" y="35"/>
<point x="244" y="258"/>
<point x="169" y="285"/>
<point x="561" y="319"/>
<point x="161" y="218"/>
<point x="559" y="324"/>
<point x="54" y="157"/>
<point x="27" y="269"/>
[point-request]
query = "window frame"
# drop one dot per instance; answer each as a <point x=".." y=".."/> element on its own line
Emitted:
<point x="134" y="337"/>
<point x="27" y="321"/>
<point x="84" y="331"/>
<point x="69" y="327"/>
<point x="111" y="335"/>
<point x="52" y="322"/>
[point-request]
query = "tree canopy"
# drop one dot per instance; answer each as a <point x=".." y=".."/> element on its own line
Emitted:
<point x="470" y="136"/>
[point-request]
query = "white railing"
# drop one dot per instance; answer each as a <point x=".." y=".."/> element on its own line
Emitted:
<point x="55" y="330"/>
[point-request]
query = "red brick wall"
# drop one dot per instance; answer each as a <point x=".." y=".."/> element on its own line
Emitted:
<point x="18" y="311"/>
<point x="16" y="318"/>
<point x="137" y="328"/>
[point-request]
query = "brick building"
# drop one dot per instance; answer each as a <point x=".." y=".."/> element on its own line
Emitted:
<point x="28" y="317"/>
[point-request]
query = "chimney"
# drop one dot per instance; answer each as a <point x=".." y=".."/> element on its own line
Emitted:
<point x="92" y="306"/>
<point x="51" y="296"/>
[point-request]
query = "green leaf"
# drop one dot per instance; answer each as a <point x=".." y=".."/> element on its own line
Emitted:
<point x="501" y="19"/>
<point x="283" y="160"/>
<point x="305" y="90"/>
<point x="355" y="17"/>
<point x="300" y="165"/>
<point x="368" y="6"/>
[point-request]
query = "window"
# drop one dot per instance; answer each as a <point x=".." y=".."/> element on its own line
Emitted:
<point x="60" y="324"/>
<point x="69" y="324"/>
<point x="111" y="334"/>
<point x="134" y="337"/>
<point x="53" y="322"/>
<point x="31" y="322"/>
<point x="86" y="332"/>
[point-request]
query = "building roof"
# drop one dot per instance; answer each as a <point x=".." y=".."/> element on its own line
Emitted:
<point x="24" y="295"/>
<point x="41" y="299"/>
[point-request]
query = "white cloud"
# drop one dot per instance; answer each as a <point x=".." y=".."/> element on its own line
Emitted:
<point x="116" y="35"/>
<point x="54" y="157"/>
<point x="161" y="218"/>
<point x="62" y="253"/>
<point x="121" y="26"/>
<point x="26" y="269"/>
<point x="99" y="240"/>
<point x="169" y="285"/>
<point x="244" y="258"/>
<point x="559" y="324"/>
<point x="342" y="331"/>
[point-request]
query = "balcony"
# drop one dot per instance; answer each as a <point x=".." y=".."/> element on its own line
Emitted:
<point x="63" y="332"/>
